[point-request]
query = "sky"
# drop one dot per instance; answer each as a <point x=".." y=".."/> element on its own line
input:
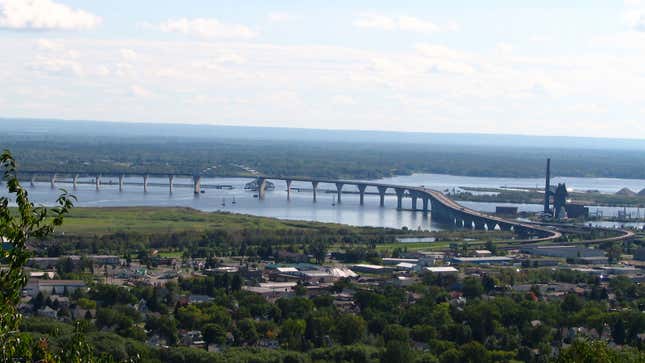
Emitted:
<point x="574" y="68"/>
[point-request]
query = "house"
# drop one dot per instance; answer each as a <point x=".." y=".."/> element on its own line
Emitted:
<point x="51" y="262"/>
<point x="272" y="290"/>
<point x="47" y="312"/>
<point x="198" y="299"/>
<point x="61" y="300"/>
<point x="371" y="269"/>
<point x="48" y="287"/>
<point x="491" y="260"/>
<point x="442" y="270"/>
<point x="396" y="261"/>
<point x="562" y="251"/>
<point x="79" y="313"/>
<point x="193" y="338"/>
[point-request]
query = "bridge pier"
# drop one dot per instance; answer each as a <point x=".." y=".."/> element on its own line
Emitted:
<point x="262" y="184"/>
<point x="490" y="225"/>
<point x="339" y="189"/>
<point x="361" y="192"/>
<point x="171" y="179"/>
<point x="288" y="189"/>
<point x="145" y="183"/>
<point x="504" y="227"/>
<point x="399" y="198"/>
<point x="75" y="181"/>
<point x="121" y="182"/>
<point x="314" y="185"/>
<point x="480" y="224"/>
<point x="52" y="181"/>
<point x="414" y="200"/>
<point x="97" y="181"/>
<point x="381" y="192"/>
<point x="197" y="186"/>
<point x="424" y="199"/>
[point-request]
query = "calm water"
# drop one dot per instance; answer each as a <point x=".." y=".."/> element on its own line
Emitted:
<point x="300" y="206"/>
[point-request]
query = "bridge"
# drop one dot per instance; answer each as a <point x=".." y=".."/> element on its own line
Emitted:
<point x="443" y="209"/>
<point x="53" y="178"/>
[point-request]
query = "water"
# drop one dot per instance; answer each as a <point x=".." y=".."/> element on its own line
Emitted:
<point x="301" y="207"/>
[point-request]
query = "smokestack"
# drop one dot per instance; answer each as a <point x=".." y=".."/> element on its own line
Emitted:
<point x="547" y="186"/>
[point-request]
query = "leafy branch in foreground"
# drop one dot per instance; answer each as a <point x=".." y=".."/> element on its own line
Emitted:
<point x="17" y="227"/>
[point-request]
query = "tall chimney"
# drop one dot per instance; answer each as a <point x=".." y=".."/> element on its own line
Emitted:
<point x="547" y="186"/>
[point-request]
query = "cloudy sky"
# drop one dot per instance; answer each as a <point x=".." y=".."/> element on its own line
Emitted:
<point x="523" y="67"/>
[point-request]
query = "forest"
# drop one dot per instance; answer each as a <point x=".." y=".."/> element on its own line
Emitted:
<point x="334" y="159"/>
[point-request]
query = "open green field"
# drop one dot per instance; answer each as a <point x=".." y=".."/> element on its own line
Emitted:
<point x="158" y="220"/>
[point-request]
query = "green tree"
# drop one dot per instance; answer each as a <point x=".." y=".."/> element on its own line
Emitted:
<point x="292" y="333"/>
<point x="396" y="351"/>
<point x="350" y="328"/>
<point x="214" y="334"/>
<point x="27" y="222"/>
<point x="472" y="287"/>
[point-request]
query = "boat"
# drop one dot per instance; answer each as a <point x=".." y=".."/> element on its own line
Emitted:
<point x="223" y="202"/>
<point x="233" y="202"/>
<point x="202" y="191"/>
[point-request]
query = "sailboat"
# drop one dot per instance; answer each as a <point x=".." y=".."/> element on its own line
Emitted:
<point x="233" y="200"/>
<point x="223" y="202"/>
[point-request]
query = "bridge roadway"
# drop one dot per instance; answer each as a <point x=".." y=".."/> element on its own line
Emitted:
<point x="443" y="208"/>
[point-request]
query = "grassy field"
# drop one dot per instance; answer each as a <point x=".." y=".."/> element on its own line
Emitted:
<point x="102" y="221"/>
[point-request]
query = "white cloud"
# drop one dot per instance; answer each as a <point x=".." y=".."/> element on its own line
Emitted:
<point x="503" y="48"/>
<point x="636" y="20"/>
<point x="44" y="15"/>
<point x="128" y="54"/>
<point x="402" y="23"/>
<point x="343" y="100"/>
<point x="56" y="66"/>
<point x="139" y="91"/>
<point x="280" y="17"/>
<point x="207" y="28"/>
<point x="49" y="45"/>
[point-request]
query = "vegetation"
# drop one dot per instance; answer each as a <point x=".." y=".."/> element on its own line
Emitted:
<point x="29" y="222"/>
<point x="531" y="196"/>
<point x="426" y="322"/>
<point x="364" y="160"/>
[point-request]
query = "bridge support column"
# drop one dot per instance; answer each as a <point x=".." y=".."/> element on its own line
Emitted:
<point x="504" y="227"/>
<point x="425" y="204"/>
<point x="399" y="198"/>
<point x="414" y="201"/>
<point x="197" y="184"/>
<point x="171" y="179"/>
<point x="339" y="189"/>
<point x="361" y="192"/>
<point x="288" y="189"/>
<point x="52" y="181"/>
<point x="479" y="224"/>
<point x="145" y="183"/>
<point x="314" y="186"/>
<point x="381" y="193"/>
<point x="490" y="225"/>
<point x="262" y="185"/>
<point x="75" y="181"/>
<point x="97" y="181"/>
<point x="121" y="182"/>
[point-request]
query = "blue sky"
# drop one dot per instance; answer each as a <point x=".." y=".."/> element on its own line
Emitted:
<point x="521" y="67"/>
